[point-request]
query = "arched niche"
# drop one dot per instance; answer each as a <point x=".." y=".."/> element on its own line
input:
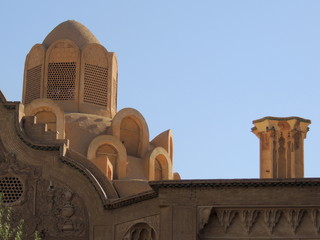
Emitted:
<point x="160" y="168"/>
<point x="129" y="126"/>
<point x="105" y="166"/>
<point x="130" y="135"/>
<point x="95" y="83"/>
<point x="158" y="165"/>
<point x="165" y="140"/>
<point x="33" y="74"/>
<point x="48" y="118"/>
<point x="47" y="111"/>
<point x="62" y="71"/>
<point x="140" y="231"/>
<point x="107" y="146"/>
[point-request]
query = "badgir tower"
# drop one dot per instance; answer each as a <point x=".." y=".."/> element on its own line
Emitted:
<point x="75" y="167"/>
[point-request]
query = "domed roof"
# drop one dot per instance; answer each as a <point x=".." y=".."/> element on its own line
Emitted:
<point x="73" y="31"/>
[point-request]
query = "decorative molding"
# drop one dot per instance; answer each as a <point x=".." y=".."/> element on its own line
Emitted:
<point x="203" y="215"/>
<point x="248" y="217"/>
<point x="294" y="217"/>
<point x="225" y="217"/>
<point x="282" y="119"/>
<point x="122" y="229"/>
<point x="271" y="218"/>
<point x="315" y="217"/>
<point x="235" y="183"/>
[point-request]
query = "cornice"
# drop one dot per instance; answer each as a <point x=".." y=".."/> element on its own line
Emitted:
<point x="282" y="119"/>
<point x="235" y="183"/>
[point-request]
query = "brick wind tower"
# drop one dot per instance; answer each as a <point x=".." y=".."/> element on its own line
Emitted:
<point x="281" y="146"/>
<point x="70" y="93"/>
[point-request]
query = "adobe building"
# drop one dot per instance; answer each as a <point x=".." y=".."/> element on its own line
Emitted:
<point x="74" y="167"/>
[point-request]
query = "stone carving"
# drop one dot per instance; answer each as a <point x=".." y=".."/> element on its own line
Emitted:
<point x="294" y="217"/>
<point x="248" y="218"/>
<point x="63" y="214"/>
<point x="52" y="208"/>
<point x="315" y="217"/>
<point x="124" y="229"/>
<point x="225" y="218"/>
<point x="271" y="218"/>
<point x="140" y="231"/>
<point x="203" y="216"/>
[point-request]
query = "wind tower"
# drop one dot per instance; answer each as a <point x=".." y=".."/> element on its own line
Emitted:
<point x="281" y="146"/>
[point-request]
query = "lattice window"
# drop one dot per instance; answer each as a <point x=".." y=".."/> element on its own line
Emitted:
<point x="95" y="84"/>
<point x="33" y="84"/>
<point x="61" y="80"/>
<point x="11" y="189"/>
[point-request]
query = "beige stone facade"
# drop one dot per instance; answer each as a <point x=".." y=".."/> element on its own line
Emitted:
<point x="74" y="167"/>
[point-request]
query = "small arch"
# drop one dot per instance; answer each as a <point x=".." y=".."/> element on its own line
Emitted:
<point x="140" y="231"/>
<point x="130" y="135"/>
<point x="128" y="125"/>
<point x="161" y="167"/>
<point x="158" y="164"/>
<point x="165" y="140"/>
<point x="105" y="166"/>
<point x="48" y="118"/>
<point x="48" y="112"/>
<point x="107" y="153"/>
<point x="107" y="146"/>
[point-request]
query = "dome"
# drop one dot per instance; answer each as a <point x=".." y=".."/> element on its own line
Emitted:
<point x="73" y="31"/>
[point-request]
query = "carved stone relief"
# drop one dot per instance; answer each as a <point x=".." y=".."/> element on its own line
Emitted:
<point x="59" y="205"/>
<point x="236" y="222"/>
<point x="203" y="215"/>
<point x="137" y="229"/>
<point x="248" y="218"/>
<point x="140" y="231"/>
<point x="271" y="218"/>
<point x="51" y="208"/>
<point x="294" y="217"/>
<point x="225" y="217"/>
<point x="315" y="214"/>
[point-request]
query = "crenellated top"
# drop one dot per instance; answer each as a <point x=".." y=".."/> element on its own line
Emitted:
<point x="74" y="70"/>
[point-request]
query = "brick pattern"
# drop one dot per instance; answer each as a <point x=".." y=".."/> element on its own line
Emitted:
<point x="33" y="83"/>
<point x="95" y="85"/>
<point x="61" y="80"/>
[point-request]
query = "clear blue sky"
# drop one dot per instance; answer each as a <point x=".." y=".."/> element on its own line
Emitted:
<point x="205" y="69"/>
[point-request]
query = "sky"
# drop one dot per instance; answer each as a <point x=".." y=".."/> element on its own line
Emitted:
<point x="205" y="69"/>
